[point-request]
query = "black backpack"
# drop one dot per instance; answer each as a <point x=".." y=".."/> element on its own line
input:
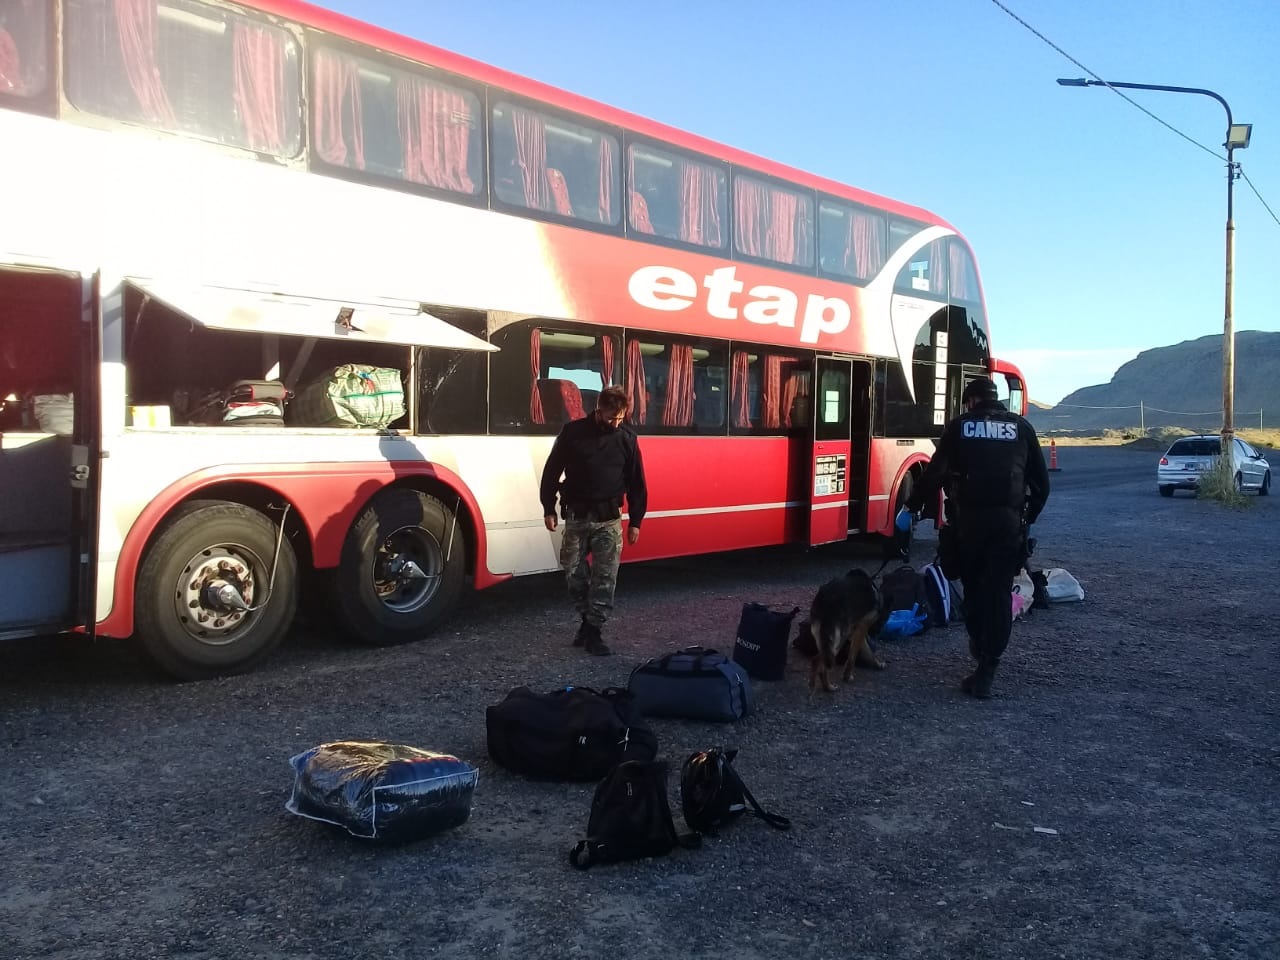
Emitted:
<point x="630" y="817"/>
<point x="569" y="734"/>
<point x="713" y="795"/>
<point x="902" y="589"/>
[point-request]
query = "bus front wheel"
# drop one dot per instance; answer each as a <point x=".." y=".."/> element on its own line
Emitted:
<point x="402" y="569"/>
<point x="216" y="592"/>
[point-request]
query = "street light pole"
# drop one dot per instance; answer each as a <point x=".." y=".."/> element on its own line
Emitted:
<point x="1237" y="136"/>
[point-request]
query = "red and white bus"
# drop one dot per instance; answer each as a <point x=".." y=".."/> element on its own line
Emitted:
<point x="199" y="192"/>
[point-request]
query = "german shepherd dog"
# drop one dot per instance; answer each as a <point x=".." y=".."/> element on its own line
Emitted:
<point x="843" y="613"/>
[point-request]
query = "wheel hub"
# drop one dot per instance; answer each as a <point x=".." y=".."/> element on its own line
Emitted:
<point x="407" y="569"/>
<point x="215" y="595"/>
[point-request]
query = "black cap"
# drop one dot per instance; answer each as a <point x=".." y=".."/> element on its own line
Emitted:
<point x="980" y="389"/>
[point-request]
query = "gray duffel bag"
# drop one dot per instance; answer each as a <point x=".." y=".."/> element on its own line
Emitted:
<point x="694" y="684"/>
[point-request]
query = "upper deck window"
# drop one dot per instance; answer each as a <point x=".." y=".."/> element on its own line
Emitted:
<point x="925" y="272"/>
<point x="24" y="47"/>
<point x="186" y="67"/>
<point x="964" y="275"/>
<point x="367" y="115"/>
<point x="676" y="197"/>
<point x="851" y="241"/>
<point x="546" y="163"/>
<point x="772" y="223"/>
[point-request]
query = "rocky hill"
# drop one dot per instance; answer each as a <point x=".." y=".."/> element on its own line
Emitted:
<point x="1169" y="386"/>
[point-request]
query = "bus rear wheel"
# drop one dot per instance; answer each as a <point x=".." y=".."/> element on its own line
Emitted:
<point x="207" y="602"/>
<point x="402" y="569"/>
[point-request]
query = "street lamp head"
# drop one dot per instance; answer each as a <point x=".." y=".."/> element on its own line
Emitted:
<point x="1069" y="82"/>
<point x="1238" y="136"/>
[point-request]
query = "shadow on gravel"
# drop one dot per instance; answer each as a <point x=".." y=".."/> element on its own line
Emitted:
<point x="73" y="661"/>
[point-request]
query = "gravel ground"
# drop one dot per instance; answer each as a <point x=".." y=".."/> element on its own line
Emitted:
<point x="143" y="818"/>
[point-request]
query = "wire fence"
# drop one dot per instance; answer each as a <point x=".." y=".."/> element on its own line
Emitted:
<point x="1242" y="419"/>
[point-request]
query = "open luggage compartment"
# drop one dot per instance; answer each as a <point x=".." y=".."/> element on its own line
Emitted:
<point x="41" y="378"/>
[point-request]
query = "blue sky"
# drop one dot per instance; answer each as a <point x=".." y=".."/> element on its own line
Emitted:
<point x="1098" y="231"/>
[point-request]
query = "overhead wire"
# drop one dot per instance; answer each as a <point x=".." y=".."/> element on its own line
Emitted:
<point x="1134" y="103"/>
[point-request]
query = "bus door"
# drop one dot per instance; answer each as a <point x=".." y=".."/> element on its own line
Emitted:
<point x="49" y="448"/>
<point x="861" y="393"/>
<point x="829" y="463"/>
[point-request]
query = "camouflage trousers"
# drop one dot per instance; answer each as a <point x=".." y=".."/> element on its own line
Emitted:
<point x="591" y="585"/>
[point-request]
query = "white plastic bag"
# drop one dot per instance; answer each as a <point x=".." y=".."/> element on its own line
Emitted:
<point x="1062" y="586"/>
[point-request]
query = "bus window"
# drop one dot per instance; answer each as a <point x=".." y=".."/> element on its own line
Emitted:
<point x="453" y="384"/>
<point x="24" y="48"/>
<point x="676" y="387"/>
<point x="899" y="415"/>
<point x="186" y="67"/>
<point x="967" y="326"/>
<point x="925" y="272"/>
<point x="832" y="420"/>
<point x="543" y="377"/>
<point x="545" y="163"/>
<point x="768" y="392"/>
<point x="772" y="223"/>
<point x="851" y="241"/>
<point x="676" y="197"/>
<point x="407" y="125"/>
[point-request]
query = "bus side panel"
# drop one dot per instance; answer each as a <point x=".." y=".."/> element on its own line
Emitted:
<point x="327" y="497"/>
<point x="725" y="493"/>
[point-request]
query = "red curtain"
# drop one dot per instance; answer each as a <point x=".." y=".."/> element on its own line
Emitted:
<point x="258" y="85"/>
<point x="797" y="385"/>
<point x="136" y="27"/>
<point x="740" y="389"/>
<point x="699" y="211"/>
<point x="866" y="245"/>
<point x="782" y="236"/>
<point x="607" y="176"/>
<point x="531" y="154"/>
<point x="536" y="414"/>
<point x="751" y="216"/>
<point x="678" y="409"/>
<point x="435" y="126"/>
<point x="29" y="22"/>
<point x="10" y="66"/>
<point x="637" y="392"/>
<point x="606" y="349"/>
<point x="337" y="113"/>
<point x="771" y="393"/>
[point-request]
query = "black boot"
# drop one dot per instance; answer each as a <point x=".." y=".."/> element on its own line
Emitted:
<point x="966" y="685"/>
<point x="580" y="638"/>
<point x="593" y="642"/>
<point x="980" y="686"/>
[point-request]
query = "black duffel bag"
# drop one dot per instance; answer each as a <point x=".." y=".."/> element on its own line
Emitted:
<point x="571" y="734"/>
<point x="694" y="684"/>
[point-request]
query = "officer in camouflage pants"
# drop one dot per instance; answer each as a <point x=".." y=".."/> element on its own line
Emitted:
<point x="598" y="457"/>
<point x="591" y="585"/>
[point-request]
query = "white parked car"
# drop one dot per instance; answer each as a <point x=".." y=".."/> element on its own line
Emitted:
<point x="1181" y="466"/>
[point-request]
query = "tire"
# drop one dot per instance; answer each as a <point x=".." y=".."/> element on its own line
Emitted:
<point x="1166" y="491"/>
<point x="1265" y="489"/>
<point x="382" y="606"/>
<point x="1239" y="483"/>
<point x="182" y="568"/>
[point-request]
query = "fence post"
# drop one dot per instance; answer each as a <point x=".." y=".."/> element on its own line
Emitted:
<point x="1142" y="417"/>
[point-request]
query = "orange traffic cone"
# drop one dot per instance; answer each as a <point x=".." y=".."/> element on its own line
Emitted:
<point x="1053" y="456"/>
